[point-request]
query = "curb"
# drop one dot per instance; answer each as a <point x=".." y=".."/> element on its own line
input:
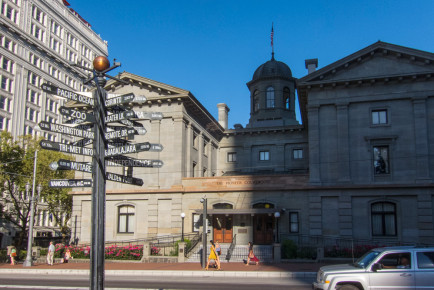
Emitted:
<point x="174" y="273"/>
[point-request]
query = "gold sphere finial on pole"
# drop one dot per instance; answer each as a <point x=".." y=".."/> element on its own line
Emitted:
<point x="101" y="63"/>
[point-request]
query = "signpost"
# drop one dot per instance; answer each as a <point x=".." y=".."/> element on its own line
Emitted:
<point x="78" y="115"/>
<point x="72" y="131"/>
<point x="70" y="183"/>
<point x="70" y="95"/>
<point x="108" y="148"/>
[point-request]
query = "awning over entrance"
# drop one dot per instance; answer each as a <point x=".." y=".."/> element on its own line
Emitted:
<point x="251" y="211"/>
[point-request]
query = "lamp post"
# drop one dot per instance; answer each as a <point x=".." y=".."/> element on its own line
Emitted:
<point x="204" y="229"/>
<point x="182" y="232"/>
<point x="28" y="261"/>
<point x="277" y="216"/>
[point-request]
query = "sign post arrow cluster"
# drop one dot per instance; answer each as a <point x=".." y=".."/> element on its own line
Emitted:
<point x="81" y="124"/>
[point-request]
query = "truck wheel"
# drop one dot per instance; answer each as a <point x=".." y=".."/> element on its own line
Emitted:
<point x="348" y="287"/>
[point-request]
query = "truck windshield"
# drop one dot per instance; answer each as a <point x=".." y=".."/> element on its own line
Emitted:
<point x="366" y="259"/>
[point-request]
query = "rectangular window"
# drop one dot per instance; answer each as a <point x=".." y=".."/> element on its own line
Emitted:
<point x="3" y="102"/>
<point x="425" y="260"/>
<point x="264" y="155"/>
<point x="6" y="84"/>
<point x="293" y="222"/>
<point x="232" y="157"/>
<point x="383" y="218"/>
<point x="381" y="160"/>
<point x="2" y="119"/>
<point x="379" y="117"/>
<point x="298" y="153"/>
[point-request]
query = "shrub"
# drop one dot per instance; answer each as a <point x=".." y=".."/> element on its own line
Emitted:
<point x="289" y="249"/>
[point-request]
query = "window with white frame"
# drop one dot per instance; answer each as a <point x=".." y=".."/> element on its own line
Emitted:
<point x="37" y="32"/>
<point x="264" y="155"/>
<point x="297" y="153"/>
<point x="379" y="117"/>
<point x="33" y="97"/>
<point x="10" y="12"/>
<point x="7" y="64"/>
<point x="126" y="217"/>
<point x="38" y="14"/>
<point x="286" y="98"/>
<point x="7" y="43"/>
<point x="2" y="121"/>
<point x="56" y="28"/>
<point x="34" y="79"/>
<point x="56" y="45"/>
<point x="6" y="83"/>
<point x="4" y="103"/>
<point x="232" y="156"/>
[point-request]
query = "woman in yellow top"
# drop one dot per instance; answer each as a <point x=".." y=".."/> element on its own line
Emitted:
<point x="212" y="256"/>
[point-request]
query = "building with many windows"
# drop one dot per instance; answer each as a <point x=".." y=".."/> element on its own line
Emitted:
<point x="38" y="42"/>
<point x="359" y="166"/>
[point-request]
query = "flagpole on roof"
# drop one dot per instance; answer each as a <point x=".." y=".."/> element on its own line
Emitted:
<point x="272" y="40"/>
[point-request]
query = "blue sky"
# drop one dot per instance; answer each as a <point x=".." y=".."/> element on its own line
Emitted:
<point x="212" y="48"/>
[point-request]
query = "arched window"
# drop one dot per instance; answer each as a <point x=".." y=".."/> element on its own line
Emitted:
<point x="223" y="206"/>
<point x="286" y="98"/>
<point x="383" y="215"/>
<point x="126" y="219"/>
<point x="263" y="205"/>
<point x="270" y="97"/>
<point x="256" y="102"/>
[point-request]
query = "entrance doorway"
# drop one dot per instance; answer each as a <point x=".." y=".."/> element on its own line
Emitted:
<point x="263" y="229"/>
<point x="222" y="227"/>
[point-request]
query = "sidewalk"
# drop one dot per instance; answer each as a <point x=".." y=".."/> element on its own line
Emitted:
<point x="235" y="269"/>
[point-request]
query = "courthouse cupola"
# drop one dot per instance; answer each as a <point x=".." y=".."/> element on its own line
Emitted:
<point x="272" y="95"/>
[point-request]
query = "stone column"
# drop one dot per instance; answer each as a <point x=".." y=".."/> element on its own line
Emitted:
<point x="146" y="251"/>
<point x="181" y="252"/>
<point x="188" y="147"/>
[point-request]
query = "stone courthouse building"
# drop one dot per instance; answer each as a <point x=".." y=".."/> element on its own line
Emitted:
<point x="360" y="165"/>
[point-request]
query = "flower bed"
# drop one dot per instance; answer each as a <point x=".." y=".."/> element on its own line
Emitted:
<point x="130" y="252"/>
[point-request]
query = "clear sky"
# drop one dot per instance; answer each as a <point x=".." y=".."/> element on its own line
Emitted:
<point x="212" y="48"/>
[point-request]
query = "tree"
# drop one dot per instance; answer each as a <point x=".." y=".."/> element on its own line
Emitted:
<point x="16" y="170"/>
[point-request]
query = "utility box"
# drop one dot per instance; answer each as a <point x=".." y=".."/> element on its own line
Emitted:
<point x="36" y="252"/>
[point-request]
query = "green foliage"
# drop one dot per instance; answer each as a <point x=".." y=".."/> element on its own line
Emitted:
<point x="16" y="170"/>
<point x="289" y="249"/>
<point x="175" y="251"/>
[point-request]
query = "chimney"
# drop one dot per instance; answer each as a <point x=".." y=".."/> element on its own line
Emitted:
<point x="223" y="115"/>
<point x="311" y="65"/>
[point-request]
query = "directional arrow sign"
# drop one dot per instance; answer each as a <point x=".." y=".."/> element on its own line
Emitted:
<point x="70" y="183"/>
<point x="148" y="115"/>
<point x="127" y="98"/>
<point x="124" y="179"/>
<point x="122" y="133"/>
<point x="130" y="162"/>
<point x="66" y="130"/>
<point x="78" y="115"/>
<point x="131" y="123"/>
<point x="67" y="94"/>
<point x="71" y="149"/>
<point x="82" y="142"/>
<point x="119" y="116"/>
<point x="137" y="131"/>
<point x="132" y="148"/>
<point x="63" y="164"/>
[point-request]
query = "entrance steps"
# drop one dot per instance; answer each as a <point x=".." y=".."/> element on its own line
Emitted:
<point x="263" y="252"/>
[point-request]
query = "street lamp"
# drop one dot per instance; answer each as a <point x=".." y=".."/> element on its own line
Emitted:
<point x="182" y="232"/>
<point x="28" y="261"/>
<point x="203" y="200"/>
<point x="277" y="216"/>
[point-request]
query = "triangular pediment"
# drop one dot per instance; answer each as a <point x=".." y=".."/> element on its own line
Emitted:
<point x="380" y="60"/>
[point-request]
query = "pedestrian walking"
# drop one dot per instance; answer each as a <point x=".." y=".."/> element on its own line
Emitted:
<point x="251" y="256"/>
<point x="13" y="255"/>
<point x="213" y="256"/>
<point x="218" y="250"/>
<point x="50" y="254"/>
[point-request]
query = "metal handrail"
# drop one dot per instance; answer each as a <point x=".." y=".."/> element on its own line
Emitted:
<point x="231" y="248"/>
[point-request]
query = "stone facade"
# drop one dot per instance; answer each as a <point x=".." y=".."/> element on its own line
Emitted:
<point x="359" y="166"/>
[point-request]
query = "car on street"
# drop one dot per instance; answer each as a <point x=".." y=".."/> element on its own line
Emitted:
<point x="382" y="268"/>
